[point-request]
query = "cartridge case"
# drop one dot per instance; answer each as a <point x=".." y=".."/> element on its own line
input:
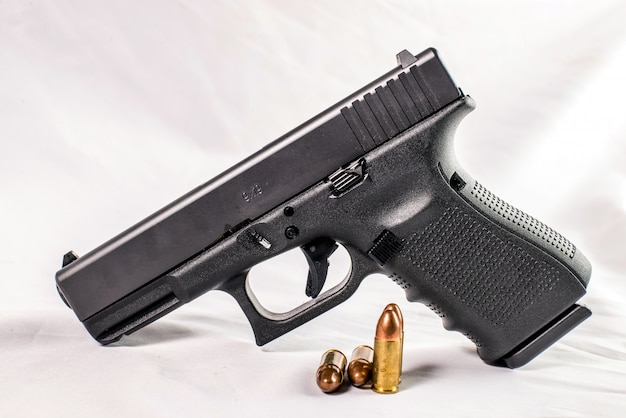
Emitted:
<point x="330" y="373"/>
<point x="361" y="365"/>
<point x="387" y="352"/>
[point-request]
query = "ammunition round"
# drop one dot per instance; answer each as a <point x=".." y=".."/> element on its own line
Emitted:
<point x="329" y="376"/>
<point x="396" y="309"/>
<point x="387" y="352"/>
<point x="360" y="366"/>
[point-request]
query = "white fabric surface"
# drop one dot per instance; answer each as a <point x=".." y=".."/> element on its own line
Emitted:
<point x="110" y="110"/>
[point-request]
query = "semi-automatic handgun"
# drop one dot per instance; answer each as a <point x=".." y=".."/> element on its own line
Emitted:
<point x="377" y="174"/>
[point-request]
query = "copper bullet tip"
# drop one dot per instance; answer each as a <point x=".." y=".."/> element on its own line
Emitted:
<point x="360" y="372"/>
<point x="329" y="376"/>
<point x="396" y="309"/>
<point x="360" y="366"/>
<point x="389" y="327"/>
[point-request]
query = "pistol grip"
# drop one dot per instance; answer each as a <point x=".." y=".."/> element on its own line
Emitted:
<point x="492" y="272"/>
<point x="268" y="326"/>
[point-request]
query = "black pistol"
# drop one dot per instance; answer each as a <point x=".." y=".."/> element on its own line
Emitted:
<point x="377" y="174"/>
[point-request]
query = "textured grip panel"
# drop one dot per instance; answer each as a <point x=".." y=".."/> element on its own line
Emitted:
<point x="520" y="218"/>
<point x="494" y="278"/>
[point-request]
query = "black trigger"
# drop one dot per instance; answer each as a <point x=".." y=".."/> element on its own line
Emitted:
<point x="317" y="253"/>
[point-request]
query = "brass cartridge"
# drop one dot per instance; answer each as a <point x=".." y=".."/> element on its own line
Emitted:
<point x="387" y="352"/>
<point x="329" y="376"/>
<point x="396" y="308"/>
<point x="360" y="366"/>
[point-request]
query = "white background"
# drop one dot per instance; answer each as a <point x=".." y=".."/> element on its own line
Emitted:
<point x="110" y="110"/>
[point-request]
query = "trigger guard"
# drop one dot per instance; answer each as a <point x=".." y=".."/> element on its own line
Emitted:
<point x="268" y="326"/>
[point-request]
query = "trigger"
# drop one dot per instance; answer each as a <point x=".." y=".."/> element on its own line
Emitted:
<point x="317" y="253"/>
